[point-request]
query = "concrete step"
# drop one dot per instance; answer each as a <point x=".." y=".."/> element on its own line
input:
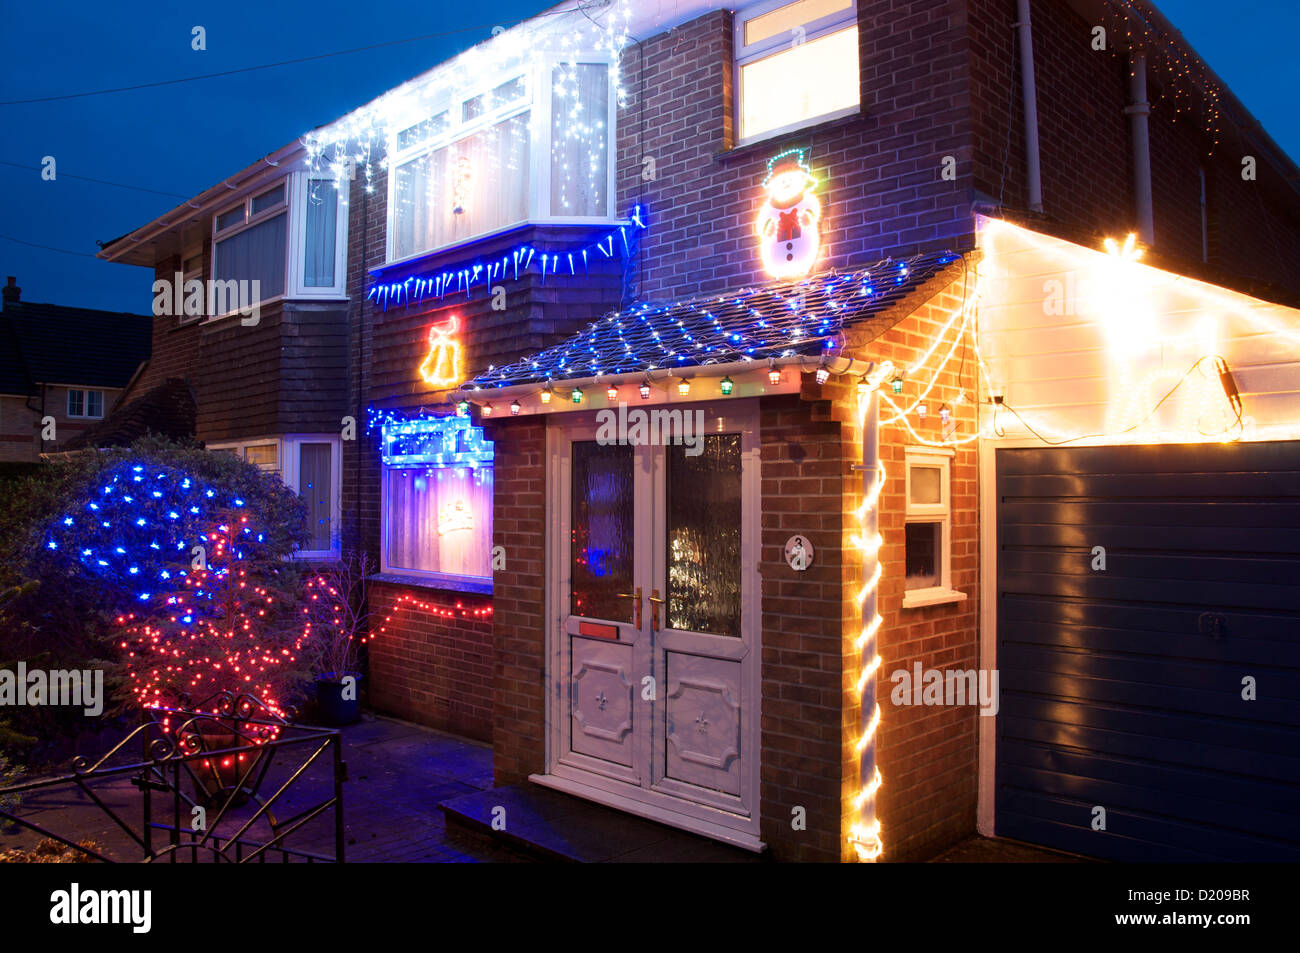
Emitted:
<point x="553" y="826"/>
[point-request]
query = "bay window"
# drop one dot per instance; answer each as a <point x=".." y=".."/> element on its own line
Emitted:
<point x="532" y="146"/>
<point x="797" y="64"/>
<point x="290" y="237"/>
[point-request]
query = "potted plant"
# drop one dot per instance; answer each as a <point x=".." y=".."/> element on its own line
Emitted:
<point x="335" y="607"/>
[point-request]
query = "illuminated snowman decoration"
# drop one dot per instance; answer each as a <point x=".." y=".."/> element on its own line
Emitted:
<point x="787" y="222"/>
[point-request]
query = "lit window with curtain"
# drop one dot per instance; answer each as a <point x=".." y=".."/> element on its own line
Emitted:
<point x="321" y="234"/>
<point x="468" y="169"/>
<point x="580" y="140"/>
<point x="437" y="500"/>
<point x="797" y="64"/>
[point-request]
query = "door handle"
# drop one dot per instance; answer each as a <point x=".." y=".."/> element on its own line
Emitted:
<point x="637" y="604"/>
<point x="656" y="602"/>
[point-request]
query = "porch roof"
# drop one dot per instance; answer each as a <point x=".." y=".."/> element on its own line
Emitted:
<point x="802" y="318"/>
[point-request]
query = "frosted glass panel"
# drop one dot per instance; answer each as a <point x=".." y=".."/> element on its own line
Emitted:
<point x="439" y="519"/>
<point x="600" y="548"/>
<point x="800" y="84"/>
<point x="926" y="485"/>
<point x="704" y="498"/>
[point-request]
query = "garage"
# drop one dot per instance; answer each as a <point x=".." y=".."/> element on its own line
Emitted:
<point x="1156" y="679"/>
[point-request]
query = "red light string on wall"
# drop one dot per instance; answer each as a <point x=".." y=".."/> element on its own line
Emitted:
<point x="456" y="610"/>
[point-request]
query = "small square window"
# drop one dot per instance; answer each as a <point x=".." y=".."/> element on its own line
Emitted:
<point x="231" y="218"/>
<point x="264" y="456"/>
<point x="926" y="487"/>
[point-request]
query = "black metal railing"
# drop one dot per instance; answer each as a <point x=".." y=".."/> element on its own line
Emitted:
<point x="241" y="761"/>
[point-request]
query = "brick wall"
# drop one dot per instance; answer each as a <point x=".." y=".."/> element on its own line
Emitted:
<point x="431" y="658"/>
<point x="881" y="192"/>
<point x="518" y="595"/>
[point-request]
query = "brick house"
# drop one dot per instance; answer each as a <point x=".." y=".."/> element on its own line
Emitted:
<point x="61" y="366"/>
<point x="864" y="244"/>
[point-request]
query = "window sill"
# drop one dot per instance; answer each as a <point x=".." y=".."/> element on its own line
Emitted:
<point x="438" y="584"/>
<point x="501" y="235"/>
<point x="934" y="596"/>
<point x="765" y="141"/>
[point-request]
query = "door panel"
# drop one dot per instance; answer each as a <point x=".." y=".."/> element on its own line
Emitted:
<point x="601" y="692"/>
<point x="703" y="714"/>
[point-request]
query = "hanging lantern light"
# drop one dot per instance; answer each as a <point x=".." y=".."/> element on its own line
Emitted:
<point x="576" y="395"/>
<point x="487" y="410"/>
<point x="863" y="387"/>
<point x="823" y="372"/>
<point x="727" y="384"/>
<point x="921" y="411"/>
<point x="462" y="408"/>
<point x="612" y="393"/>
<point x="897" y="383"/>
<point x="944" y="413"/>
<point x="546" y="395"/>
<point x="683" y="387"/>
<point x="515" y="407"/>
<point x="773" y="375"/>
<point x="645" y="389"/>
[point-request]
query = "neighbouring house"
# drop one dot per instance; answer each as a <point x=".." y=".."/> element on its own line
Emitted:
<point x="828" y="427"/>
<point x="62" y="370"/>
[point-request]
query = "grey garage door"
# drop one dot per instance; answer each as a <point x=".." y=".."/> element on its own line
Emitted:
<point x="1122" y="688"/>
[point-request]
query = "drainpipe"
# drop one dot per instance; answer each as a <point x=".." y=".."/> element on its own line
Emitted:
<point x="1034" y="170"/>
<point x="1138" y="113"/>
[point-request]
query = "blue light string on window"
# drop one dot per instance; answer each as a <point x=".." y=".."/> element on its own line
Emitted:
<point x="430" y="441"/>
<point x="620" y="243"/>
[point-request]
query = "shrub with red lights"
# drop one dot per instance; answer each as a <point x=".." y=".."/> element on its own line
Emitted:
<point x="231" y="626"/>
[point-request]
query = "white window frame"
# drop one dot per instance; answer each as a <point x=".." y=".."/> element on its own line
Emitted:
<point x="287" y="446"/>
<point x="941" y="513"/>
<point x="451" y="581"/>
<point x="85" y="404"/>
<point x="537" y="99"/>
<point x="296" y="195"/>
<point x="297" y="236"/>
<point x="753" y="52"/>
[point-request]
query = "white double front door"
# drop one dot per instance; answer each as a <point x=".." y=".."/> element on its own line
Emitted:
<point x="654" y="652"/>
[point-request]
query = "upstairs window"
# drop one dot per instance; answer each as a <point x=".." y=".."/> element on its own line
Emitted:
<point x="796" y="65"/>
<point x="86" y="403"/>
<point x="533" y="146"/>
<point x="290" y="237"/>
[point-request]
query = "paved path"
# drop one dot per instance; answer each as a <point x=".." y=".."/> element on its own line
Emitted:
<point x="397" y="774"/>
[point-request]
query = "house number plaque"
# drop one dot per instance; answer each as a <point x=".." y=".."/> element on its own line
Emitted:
<point x="799" y="552"/>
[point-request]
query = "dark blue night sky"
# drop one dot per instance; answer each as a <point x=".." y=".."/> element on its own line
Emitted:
<point x="183" y="138"/>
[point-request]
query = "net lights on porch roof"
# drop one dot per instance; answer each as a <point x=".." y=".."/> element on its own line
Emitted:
<point x="785" y="322"/>
<point x="430" y="441"/>
<point x="620" y="243"/>
<point x="561" y="37"/>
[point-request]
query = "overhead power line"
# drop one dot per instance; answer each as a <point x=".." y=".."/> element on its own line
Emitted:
<point x="86" y="178"/>
<point x="243" y="69"/>
<point x="64" y="251"/>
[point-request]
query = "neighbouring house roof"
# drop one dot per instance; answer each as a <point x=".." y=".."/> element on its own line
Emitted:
<point x="782" y="320"/>
<point x="54" y="344"/>
<point x="167" y="410"/>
